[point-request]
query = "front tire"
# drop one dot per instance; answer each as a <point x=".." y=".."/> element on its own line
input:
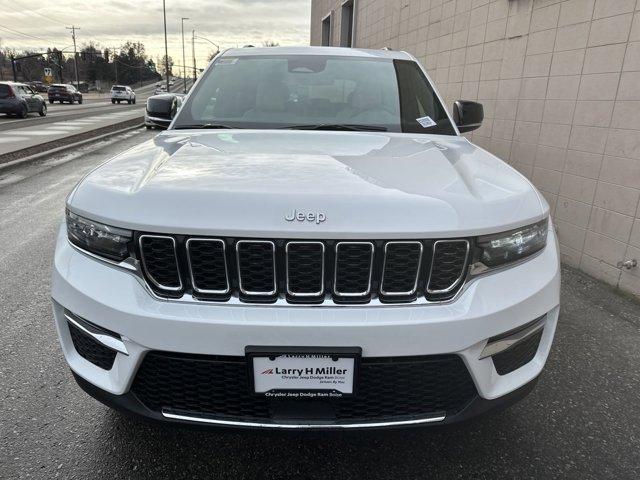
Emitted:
<point x="24" y="112"/>
<point x="43" y="110"/>
<point x="113" y="101"/>
<point x="80" y="101"/>
<point x="51" y="102"/>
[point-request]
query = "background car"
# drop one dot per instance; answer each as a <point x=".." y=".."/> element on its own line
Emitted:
<point x="38" y="86"/>
<point x="60" y="92"/>
<point x="161" y="109"/>
<point x="122" y="93"/>
<point x="19" y="99"/>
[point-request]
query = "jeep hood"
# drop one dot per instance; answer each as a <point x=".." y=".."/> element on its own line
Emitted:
<point x="335" y="185"/>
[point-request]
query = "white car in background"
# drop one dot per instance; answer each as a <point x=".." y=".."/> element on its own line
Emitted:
<point x="122" y="93"/>
<point x="312" y="244"/>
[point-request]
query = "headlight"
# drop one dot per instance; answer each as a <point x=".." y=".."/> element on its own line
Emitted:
<point x="503" y="248"/>
<point x="98" y="238"/>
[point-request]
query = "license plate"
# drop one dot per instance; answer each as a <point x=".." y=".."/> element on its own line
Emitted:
<point x="303" y="373"/>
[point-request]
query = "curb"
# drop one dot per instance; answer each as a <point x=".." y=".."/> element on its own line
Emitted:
<point x="69" y="146"/>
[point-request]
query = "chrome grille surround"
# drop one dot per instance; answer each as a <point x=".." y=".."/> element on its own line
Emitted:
<point x="320" y="291"/>
<point x="188" y="244"/>
<point x="384" y="268"/>
<point x="159" y="285"/>
<point x="257" y="293"/>
<point x="434" y="258"/>
<point x="367" y="291"/>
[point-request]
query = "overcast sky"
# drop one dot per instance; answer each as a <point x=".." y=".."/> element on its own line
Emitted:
<point x="228" y="23"/>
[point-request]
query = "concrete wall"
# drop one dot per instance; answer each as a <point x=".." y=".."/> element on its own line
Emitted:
<point x="560" y="83"/>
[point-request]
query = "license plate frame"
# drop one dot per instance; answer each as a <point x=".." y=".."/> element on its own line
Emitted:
<point x="252" y="352"/>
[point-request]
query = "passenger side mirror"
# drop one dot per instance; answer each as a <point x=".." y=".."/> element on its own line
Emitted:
<point x="175" y="106"/>
<point x="468" y="115"/>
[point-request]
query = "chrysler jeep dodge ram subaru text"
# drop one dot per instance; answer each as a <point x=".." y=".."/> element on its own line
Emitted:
<point x="311" y="244"/>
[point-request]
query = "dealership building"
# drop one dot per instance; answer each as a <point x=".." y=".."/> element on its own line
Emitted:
<point x="560" y="85"/>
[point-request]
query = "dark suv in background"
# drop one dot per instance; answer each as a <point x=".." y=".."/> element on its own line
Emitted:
<point x="19" y="99"/>
<point x="64" y="93"/>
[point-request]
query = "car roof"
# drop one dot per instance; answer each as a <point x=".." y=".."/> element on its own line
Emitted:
<point x="330" y="51"/>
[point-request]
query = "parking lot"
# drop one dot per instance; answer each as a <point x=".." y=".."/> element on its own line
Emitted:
<point x="581" y="421"/>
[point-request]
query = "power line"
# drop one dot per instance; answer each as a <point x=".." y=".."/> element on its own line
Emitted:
<point x="22" y="33"/>
<point x="48" y="17"/>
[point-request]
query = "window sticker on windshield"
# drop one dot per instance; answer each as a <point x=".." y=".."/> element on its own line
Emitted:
<point x="426" y="122"/>
<point x="227" y="61"/>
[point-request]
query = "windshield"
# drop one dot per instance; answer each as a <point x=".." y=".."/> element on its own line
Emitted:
<point x="303" y="91"/>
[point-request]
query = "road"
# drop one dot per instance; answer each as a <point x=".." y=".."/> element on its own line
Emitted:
<point x="64" y="120"/>
<point x="581" y="422"/>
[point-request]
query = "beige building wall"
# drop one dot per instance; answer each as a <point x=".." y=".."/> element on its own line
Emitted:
<point x="560" y="84"/>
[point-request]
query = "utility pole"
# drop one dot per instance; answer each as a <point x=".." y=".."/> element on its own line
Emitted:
<point x="184" y="62"/>
<point x="166" y="49"/>
<point x="73" y="29"/>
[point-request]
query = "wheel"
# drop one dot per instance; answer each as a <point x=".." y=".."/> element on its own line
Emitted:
<point x="129" y="102"/>
<point x="134" y="101"/>
<point x="51" y="102"/>
<point x="113" y="101"/>
<point x="148" y="127"/>
<point x="43" y="110"/>
<point x="80" y="101"/>
<point x="118" y="102"/>
<point x="24" y="112"/>
<point x="72" y="101"/>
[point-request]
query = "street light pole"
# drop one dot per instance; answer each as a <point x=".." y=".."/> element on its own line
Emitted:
<point x="184" y="62"/>
<point x="207" y="40"/>
<point x="166" y="48"/>
<point x="193" y="53"/>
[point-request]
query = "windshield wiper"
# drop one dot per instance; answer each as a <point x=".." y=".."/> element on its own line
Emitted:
<point x="202" y="125"/>
<point x="339" y="126"/>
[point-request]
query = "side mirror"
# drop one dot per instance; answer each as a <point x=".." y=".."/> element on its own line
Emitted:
<point x="162" y="107"/>
<point x="175" y="106"/>
<point x="468" y="115"/>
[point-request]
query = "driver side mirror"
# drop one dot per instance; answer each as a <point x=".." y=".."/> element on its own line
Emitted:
<point x="468" y="115"/>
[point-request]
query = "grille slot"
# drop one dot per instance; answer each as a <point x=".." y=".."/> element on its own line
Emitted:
<point x="256" y="267"/>
<point x="160" y="262"/>
<point x="448" y="267"/>
<point x="354" y="264"/>
<point x="208" y="266"/>
<point x="305" y="269"/>
<point x="387" y="388"/>
<point x="402" y="261"/>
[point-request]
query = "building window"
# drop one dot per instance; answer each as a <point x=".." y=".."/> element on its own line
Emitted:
<point x="346" y="24"/>
<point x="326" y="31"/>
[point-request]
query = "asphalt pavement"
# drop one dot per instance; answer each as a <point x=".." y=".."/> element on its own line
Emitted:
<point x="582" y="421"/>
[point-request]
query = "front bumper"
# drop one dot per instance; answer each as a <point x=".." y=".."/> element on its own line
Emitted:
<point x="118" y="301"/>
<point x="152" y="121"/>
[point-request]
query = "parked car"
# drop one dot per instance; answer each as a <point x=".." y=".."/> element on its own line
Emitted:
<point x="39" y="87"/>
<point x="61" y="92"/>
<point x="160" y="110"/>
<point x="19" y="99"/>
<point x="312" y="244"/>
<point x="122" y="93"/>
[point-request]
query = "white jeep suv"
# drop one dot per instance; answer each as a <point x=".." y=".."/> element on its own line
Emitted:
<point x="311" y="244"/>
<point x="122" y="93"/>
